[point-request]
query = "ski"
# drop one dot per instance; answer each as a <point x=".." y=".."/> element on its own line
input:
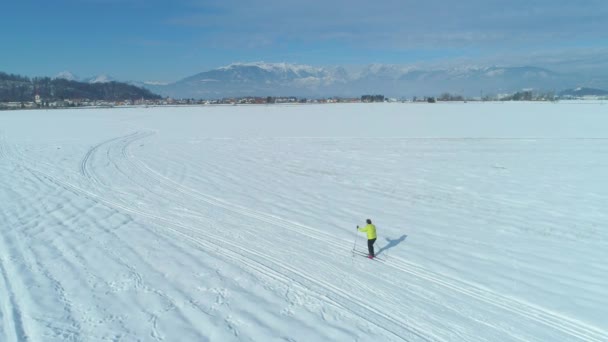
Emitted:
<point x="365" y="255"/>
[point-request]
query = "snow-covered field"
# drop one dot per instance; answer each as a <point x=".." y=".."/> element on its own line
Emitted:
<point x="237" y="223"/>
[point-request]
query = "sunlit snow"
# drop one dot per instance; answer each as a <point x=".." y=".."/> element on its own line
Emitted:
<point x="228" y="223"/>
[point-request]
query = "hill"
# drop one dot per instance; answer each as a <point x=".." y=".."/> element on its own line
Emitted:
<point x="16" y="88"/>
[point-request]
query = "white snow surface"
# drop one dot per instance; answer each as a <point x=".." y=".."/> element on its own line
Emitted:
<point x="238" y="223"/>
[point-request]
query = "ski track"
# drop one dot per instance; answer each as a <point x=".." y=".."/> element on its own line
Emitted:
<point x="23" y="264"/>
<point x="84" y="164"/>
<point x="10" y="313"/>
<point x="12" y="321"/>
<point x="341" y="297"/>
<point x="236" y="258"/>
<point x="553" y="320"/>
<point x="36" y="268"/>
<point x="240" y="255"/>
<point x="120" y="156"/>
<point x="537" y="314"/>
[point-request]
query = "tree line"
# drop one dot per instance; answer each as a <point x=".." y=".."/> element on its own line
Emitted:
<point x="372" y="98"/>
<point x="16" y="88"/>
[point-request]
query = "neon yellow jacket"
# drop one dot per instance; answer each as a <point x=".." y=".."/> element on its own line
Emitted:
<point x="370" y="229"/>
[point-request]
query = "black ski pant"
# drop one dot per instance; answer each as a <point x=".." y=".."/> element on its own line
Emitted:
<point x="370" y="246"/>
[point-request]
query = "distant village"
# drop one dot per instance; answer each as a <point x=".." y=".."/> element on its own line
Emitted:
<point x="20" y="92"/>
<point x="40" y="103"/>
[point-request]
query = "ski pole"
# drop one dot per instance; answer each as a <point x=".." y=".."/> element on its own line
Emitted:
<point x="355" y="245"/>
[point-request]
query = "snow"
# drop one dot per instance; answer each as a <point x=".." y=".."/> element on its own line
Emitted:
<point x="226" y="223"/>
<point x="495" y="72"/>
<point x="67" y="75"/>
<point x="100" y="79"/>
<point x="93" y="79"/>
<point x="277" y="67"/>
<point x="158" y="83"/>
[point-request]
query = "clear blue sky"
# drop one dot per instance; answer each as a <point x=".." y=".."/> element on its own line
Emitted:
<point x="154" y="40"/>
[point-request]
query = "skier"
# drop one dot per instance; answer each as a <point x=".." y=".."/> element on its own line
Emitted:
<point x="370" y="229"/>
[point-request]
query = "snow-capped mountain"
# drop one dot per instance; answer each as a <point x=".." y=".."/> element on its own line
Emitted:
<point x="393" y="80"/>
<point x="103" y="78"/>
<point x="284" y="79"/>
<point x="256" y="79"/>
<point x="67" y="75"/>
<point x="582" y="91"/>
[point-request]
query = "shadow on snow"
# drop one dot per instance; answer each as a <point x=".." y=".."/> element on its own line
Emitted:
<point x="391" y="244"/>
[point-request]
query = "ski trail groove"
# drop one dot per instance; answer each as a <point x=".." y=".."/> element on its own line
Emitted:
<point x="85" y="162"/>
<point x="566" y="325"/>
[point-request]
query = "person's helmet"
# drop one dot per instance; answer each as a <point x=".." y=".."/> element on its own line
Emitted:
<point x="369" y="221"/>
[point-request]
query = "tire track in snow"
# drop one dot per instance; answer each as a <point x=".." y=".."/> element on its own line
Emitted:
<point x="566" y="325"/>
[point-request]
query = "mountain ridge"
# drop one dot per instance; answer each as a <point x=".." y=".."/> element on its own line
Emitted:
<point x="285" y="79"/>
<point x="583" y="91"/>
<point x="101" y="78"/>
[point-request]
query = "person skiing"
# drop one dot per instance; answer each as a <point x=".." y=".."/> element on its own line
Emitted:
<point x="370" y="229"/>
